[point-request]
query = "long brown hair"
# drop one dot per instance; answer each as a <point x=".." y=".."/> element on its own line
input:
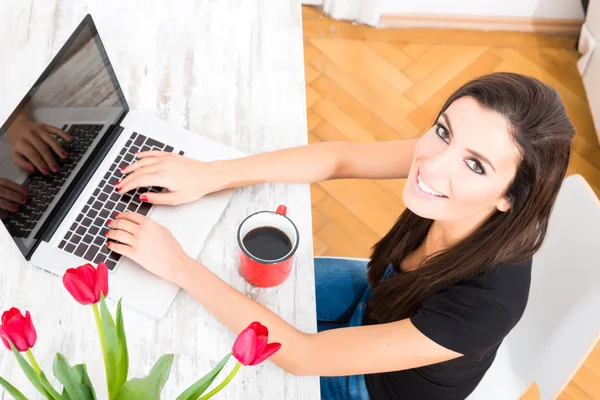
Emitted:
<point x="543" y="133"/>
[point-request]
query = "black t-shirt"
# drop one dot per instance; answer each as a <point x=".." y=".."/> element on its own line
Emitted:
<point x="471" y="317"/>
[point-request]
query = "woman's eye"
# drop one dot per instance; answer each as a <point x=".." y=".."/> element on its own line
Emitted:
<point x="475" y="166"/>
<point x="441" y="132"/>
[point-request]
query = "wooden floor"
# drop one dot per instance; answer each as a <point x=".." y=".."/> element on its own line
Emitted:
<point x="365" y="84"/>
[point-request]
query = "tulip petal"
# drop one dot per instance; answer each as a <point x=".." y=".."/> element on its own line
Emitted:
<point x="244" y="347"/>
<point x="101" y="281"/>
<point x="259" y="328"/>
<point x="2" y="334"/>
<point x="29" y="332"/>
<point x="261" y="344"/>
<point x="11" y="316"/>
<point x="271" y="349"/>
<point x="87" y="273"/>
<point x="15" y="338"/>
<point x="77" y="288"/>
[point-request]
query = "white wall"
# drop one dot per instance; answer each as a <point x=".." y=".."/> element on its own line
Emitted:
<point x="560" y="9"/>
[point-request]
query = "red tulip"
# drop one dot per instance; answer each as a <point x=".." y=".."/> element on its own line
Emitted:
<point x="19" y="329"/>
<point x="85" y="283"/>
<point x="251" y="347"/>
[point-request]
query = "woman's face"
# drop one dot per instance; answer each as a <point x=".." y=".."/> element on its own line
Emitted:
<point x="463" y="165"/>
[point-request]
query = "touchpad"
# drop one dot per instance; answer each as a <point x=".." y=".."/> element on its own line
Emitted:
<point x="192" y="223"/>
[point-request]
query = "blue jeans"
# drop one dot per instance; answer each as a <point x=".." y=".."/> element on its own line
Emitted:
<point x="342" y="291"/>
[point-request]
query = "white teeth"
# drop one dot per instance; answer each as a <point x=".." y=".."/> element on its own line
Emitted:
<point x="426" y="188"/>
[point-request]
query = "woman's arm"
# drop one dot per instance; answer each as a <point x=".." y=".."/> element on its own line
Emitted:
<point x="189" y="180"/>
<point x="321" y="162"/>
<point x="348" y="351"/>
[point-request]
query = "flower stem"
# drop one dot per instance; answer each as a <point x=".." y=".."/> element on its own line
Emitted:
<point x="223" y="384"/>
<point x="34" y="363"/>
<point x="101" y="333"/>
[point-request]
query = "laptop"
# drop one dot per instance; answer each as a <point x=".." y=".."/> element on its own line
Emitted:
<point x="63" y="222"/>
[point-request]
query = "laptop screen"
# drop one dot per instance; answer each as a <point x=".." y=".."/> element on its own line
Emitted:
<point x="47" y="142"/>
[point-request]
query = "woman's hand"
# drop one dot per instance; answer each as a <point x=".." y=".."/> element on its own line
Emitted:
<point x="147" y="243"/>
<point x="11" y="195"/>
<point x="33" y="144"/>
<point x="186" y="179"/>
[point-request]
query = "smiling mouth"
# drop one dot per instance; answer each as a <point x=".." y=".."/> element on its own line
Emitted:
<point x="427" y="189"/>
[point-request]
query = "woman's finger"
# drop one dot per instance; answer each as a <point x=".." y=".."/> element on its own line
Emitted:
<point x="57" y="132"/>
<point x="166" y="198"/>
<point x="7" y="205"/>
<point x="43" y="150"/>
<point x="133" y="217"/>
<point x="152" y="153"/>
<point x="138" y="180"/>
<point x="10" y="195"/>
<point x="53" y="143"/>
<point x="13" y="186"/>
<point x="119" y="248"/>
<point x="22" y="163"/>
<point x="145" y="163"/>
<point x="121" y="236"/>
<point x="31" y="154"/>
<point x="124" y="225"/>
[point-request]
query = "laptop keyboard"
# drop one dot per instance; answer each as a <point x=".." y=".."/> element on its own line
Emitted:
<point x="86" y="237"/>
<point x="43" y="188"/>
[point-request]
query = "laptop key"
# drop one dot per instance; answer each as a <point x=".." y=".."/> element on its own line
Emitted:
<point x="110" y="264"/>
<point x="91" y="253"/>
<point x="81" y="249"/>
<point x="144" y="208"/>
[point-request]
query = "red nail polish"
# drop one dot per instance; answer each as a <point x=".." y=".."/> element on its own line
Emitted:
<point x="3" y="215"/>
<point x="119" y="190"/>
<point x="63" y="154"/>
<point x="54" y="168"/>
<point x="14" y="207"/>
<point x="31" y="170"/>
<point x="122" y="169"/>
<point x="106" y="233"/>
<point x="23" y="199"/>
<point x="45" y="171"/>
<point x="144" y="197"/>
<point x="108" y="223"/>
<point x="118" y="183"/>
<point x="107" y="244"/>
<point x="117" y="215"/>
<point x="25" y="190"/>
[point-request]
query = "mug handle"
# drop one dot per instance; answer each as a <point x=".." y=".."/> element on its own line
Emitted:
<point x="282" y="210"/>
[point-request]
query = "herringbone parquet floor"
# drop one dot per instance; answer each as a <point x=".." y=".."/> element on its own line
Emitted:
<point x="365" y="84"/>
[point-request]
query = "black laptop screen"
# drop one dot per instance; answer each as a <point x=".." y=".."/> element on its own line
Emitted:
<point x="49" y="138"/>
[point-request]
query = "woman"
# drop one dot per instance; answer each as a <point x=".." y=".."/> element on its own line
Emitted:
<point x="424" y="318"/>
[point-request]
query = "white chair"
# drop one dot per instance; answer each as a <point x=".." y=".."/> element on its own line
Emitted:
<point x="561" y="323"/>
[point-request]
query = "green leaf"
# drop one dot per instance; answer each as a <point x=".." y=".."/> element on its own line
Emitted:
<point x="83" y="377"/>
<point x="29" y="371"/>
<point x="148" y="388"/>
<point x="48" y="386"/>
<point x="122" y="354"/>
<point x="196" y="390"/>
<point x="111" y="345"/>
<point x="13" y="391"/>
<point x="71" y="381"/>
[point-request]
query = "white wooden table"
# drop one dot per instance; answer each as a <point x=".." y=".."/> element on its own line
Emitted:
<point x="229" y="69"/>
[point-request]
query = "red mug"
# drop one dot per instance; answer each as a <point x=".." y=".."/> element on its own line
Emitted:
<point x="267" y="271"/>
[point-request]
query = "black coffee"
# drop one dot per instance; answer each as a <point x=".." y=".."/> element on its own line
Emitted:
<point x="267" y="243"/>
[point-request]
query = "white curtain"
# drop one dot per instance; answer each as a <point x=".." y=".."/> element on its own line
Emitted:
<point x="362" y="11"/>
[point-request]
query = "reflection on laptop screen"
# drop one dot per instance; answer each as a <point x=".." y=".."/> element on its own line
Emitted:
<point x="53" y="131"/>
